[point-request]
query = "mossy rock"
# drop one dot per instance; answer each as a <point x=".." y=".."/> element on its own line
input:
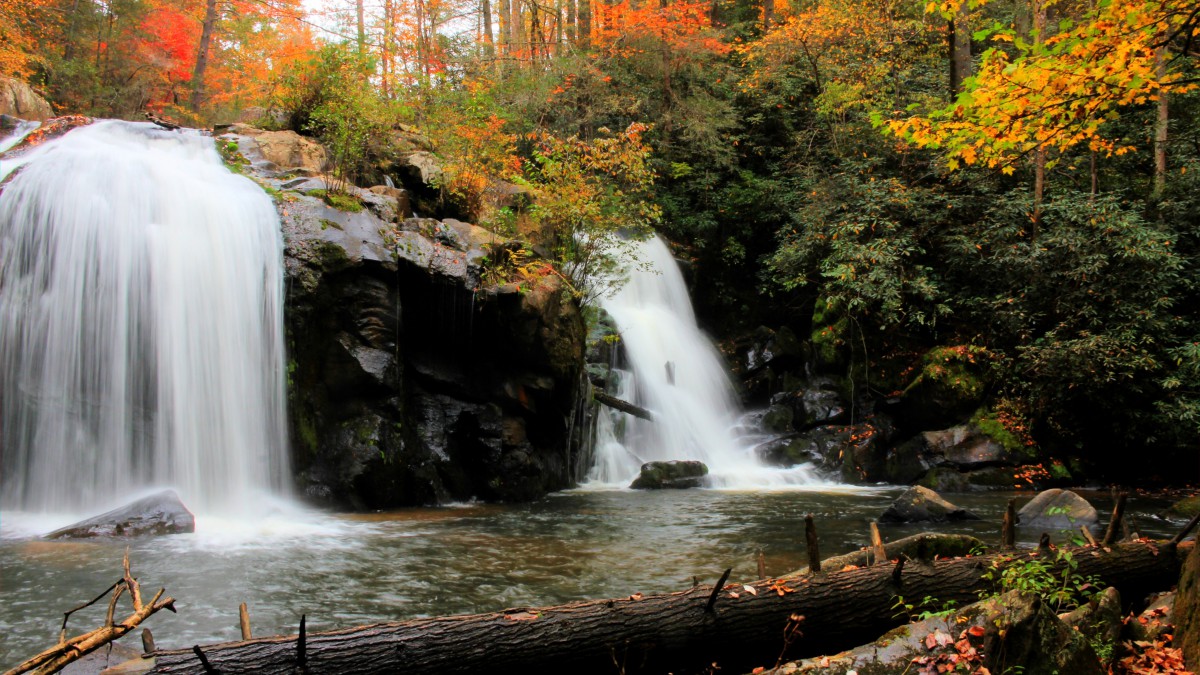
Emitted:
<point x="945" y="479"/>
<point x="1185" y="508"/>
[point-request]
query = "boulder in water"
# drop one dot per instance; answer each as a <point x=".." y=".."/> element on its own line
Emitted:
<point x="160" y="513"/>
<point x="675" y="474"/>
<point x="1058" y="510"/>
<point x="922" y="504"/>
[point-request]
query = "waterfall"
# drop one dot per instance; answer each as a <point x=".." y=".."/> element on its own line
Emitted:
<point x="676" y="373"/>
<point x="141" y="339"/>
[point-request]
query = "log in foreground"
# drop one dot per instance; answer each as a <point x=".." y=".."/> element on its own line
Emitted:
<point x="663" y="633"/>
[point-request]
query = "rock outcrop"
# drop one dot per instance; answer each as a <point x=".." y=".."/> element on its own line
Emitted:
<point x="158" y="514"/>
<point x="20" y="100"/>
<point x="418" y="375"/>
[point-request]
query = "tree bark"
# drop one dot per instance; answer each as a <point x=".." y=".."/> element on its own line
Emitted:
<point x="206" y="31"/>
<point x="362" y="27"/>
<point x="585" y="23"/>
<point x="960" y="50"/>
<point x="1161" y="126"/>
<point x="655" y="634"/>
<point x="624" y="406"/>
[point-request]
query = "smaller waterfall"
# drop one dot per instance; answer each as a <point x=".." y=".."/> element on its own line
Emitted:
<point x="678" y="375"/>
<point x="22" y="130"/>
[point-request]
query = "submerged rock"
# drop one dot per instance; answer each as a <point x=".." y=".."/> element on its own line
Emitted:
<point x="1057" y="509"/>
<point x="918" y="504"/>
<point x="670" y="475"/>
<point x="160" y="513"/>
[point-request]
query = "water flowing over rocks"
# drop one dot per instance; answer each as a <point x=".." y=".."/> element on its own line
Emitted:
<point x="158" y="514"/>
<point x="414" y="378"/>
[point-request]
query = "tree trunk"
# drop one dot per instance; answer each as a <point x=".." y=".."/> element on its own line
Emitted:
<point x="206" y="31"/>
<point x="486" y="10"/>
<point x="960" y="50"/>
<point x="505" y="27"/>
<point x="362" y="27"/>
<point x="585" y="23"/>
<point x="571" y="22"/>
<point x="520" y="42"/>
<point x="1039" y="154"/>
<point x="687" y="631"/>
<point x="1160" y="126"/>
<point x="768" y="14"/>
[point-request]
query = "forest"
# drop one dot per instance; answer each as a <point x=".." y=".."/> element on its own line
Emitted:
<point x="999" y="196"/>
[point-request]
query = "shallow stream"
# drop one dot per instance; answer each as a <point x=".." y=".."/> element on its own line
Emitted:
<point x="346" y="570"/>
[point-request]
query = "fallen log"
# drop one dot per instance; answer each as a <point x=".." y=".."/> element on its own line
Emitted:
<point x="624" y="406"/>
<point x="742" y="626"/>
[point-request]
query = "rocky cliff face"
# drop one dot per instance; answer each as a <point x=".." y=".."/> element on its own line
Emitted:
<point x="18" y="99"/>
<point x="412" y="379"/>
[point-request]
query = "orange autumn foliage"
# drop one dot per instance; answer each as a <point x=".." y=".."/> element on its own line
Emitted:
<point x="623" y="26"/>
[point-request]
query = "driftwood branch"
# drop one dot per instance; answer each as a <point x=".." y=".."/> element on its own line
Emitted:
<point x="69" y="650"/>
<point x="661" y="633"/>
<point x="624" y="406"/>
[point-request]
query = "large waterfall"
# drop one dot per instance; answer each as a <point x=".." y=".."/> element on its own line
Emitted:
<point x="141" y="339"/>
<point x="676" y="373"/>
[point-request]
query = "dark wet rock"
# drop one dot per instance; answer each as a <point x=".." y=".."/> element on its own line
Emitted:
<point x="788" y="450"/>
<point x="855" y="452"/>
<point x="777" y="419"/>
<point x="160" y="513"/>
<point x="821" y="403"/>
<point x="962" y="448"/>
<point x="945" y="479"/>
<point x="413" y="381"/>
<point x="919" y="504"/>
<point x="1057" y="509"/>
<point x="670" y="475"/>
<point x="1019" y="634"/>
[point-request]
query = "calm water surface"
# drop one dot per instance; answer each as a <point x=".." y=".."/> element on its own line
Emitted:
<point x="345" y="570"/>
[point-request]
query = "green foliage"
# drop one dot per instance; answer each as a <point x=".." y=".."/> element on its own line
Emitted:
<point x="592" y="202"/>
<point x="339" y="201"/>
<point x="928" y="607"/>
<point x="331" y="97"/>
<point x="1005" y="428"/>
<point x="1055" y="579"/>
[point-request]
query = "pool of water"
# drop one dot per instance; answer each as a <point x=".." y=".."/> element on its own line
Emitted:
<point x="346" y="570"/>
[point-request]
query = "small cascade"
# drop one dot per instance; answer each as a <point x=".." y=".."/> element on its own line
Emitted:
<point x="23" y="129"/>
<point x="141" y="339"/>
<point x="677" y="374"/>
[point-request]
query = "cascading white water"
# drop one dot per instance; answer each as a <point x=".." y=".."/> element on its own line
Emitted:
<point x="677" y="374"/>
<point x="141" y="339"/>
